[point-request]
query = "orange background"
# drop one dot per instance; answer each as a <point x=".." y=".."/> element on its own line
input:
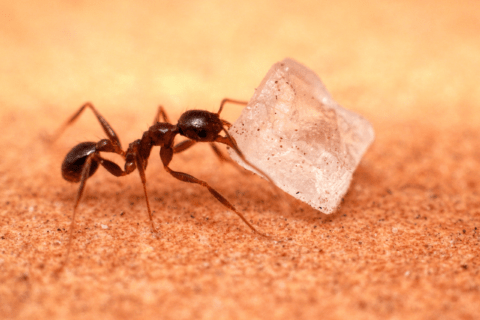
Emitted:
<point x="404" y="244"/>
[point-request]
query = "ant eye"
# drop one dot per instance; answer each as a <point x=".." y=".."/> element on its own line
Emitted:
<point x="202" y="133"/>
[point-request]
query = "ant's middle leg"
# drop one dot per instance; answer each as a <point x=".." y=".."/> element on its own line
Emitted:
<point x="161" y="114"/>
<point x="166" y="155"/>
<point x="141" y="171"/>
<point x="134" y="160"/>
<point x="107" y="128"/>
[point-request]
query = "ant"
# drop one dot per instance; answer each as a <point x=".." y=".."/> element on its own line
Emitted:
<point x="196" y="125"/>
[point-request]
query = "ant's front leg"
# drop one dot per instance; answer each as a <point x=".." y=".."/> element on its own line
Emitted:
<point x="230" y="141"/>
<point x="186" y="144"/>
<point x="221" y="156"/>
<point x="166" y="154"/>
<point x="107" y="128"/>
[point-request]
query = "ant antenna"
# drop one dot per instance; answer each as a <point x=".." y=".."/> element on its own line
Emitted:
<point x="226" y="100"/>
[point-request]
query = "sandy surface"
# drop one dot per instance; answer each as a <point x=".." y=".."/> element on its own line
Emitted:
<point x="404" y="244"/>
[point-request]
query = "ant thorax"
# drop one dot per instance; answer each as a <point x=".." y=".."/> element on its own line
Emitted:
<point x="161" y="134"/>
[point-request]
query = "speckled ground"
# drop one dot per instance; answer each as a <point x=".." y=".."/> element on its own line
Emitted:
<point x="404" y="244"/>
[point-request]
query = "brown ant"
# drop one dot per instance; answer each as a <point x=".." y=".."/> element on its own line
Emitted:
<point x="196" y="125"/>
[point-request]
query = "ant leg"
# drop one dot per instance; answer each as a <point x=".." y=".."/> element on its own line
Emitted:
<point x="141" y="171"/>
<point x="161" y="114"/>
<point x="230" y="101"/>
<point x="107" y="128"/>
<point x="85" y="172"/>
<point x="111" y="167"/>
<point x="226" y="159"/>
<point x="226" y="123"/>
<point x="219" y="154"/>
<point x="166" y="155"/>
<point x="184" y="145"/>
<point x="229" y="141"/>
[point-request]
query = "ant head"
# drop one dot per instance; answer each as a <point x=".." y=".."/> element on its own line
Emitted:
<point x="200" y="125"/>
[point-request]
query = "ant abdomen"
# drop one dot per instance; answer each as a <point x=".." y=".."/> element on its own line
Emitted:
<point x="74" y="161"/>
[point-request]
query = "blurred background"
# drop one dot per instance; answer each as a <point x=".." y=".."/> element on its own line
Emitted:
<point x="384" y="59"/>
<point x="404" y="244"/>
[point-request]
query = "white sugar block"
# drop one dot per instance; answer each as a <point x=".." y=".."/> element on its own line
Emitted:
<point x="297" y="134"/>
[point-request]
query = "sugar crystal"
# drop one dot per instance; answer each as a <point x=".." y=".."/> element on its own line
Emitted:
<point x="297" y="134"/>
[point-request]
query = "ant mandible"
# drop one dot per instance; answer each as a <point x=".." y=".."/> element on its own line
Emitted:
<point x="196" y="125"/>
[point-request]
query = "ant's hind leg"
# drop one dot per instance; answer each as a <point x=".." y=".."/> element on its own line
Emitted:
<point x="161" y="114"/>
<point x="166" y="156"/>
<point x="107" y="128"/>
<point x="81" y="188"/>
<point x="111" y="167"/>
